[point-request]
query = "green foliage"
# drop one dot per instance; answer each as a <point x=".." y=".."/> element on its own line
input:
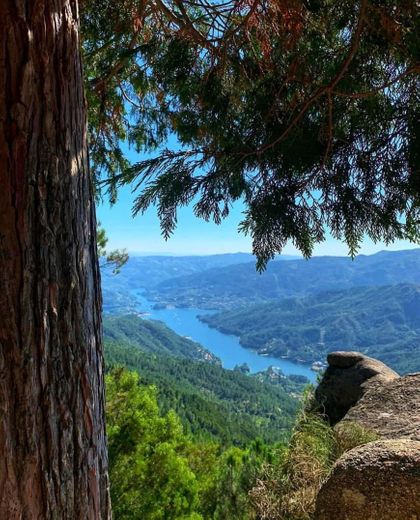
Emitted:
<point x="153" y="337"/>
<point x="287" y="489"/>
<point x="349" y="435"/>
<point x="157" y="472"/>
<point x="382" y="322"/>
<point x="213" y="403"/>
<point x="115" y="259"/>
<point x="149" y="472"/>
<point x="308" y="115"/>
<point x="121" y="94"/>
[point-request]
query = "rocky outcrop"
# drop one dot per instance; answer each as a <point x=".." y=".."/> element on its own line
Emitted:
<point x="348" y="377"/>
<point x="377" y="481"/>
<point x="392" y="411"/>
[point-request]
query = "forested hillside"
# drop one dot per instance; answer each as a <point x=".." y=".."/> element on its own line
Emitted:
<point x="241" y="284"/>
<point x="225" y="405"/>
<point x="147" y="271"/>
<point x="189" y="439"/>
<point x="213" y="403"/>
<point x="153" y="337"/>
<point x="382" y="322"/>
<point x="333" y="303"/>
<point x="160" y="472"/>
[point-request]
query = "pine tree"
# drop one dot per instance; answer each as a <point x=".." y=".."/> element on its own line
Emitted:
<point x="53" y="460"/>
<point x="306" y="110"/>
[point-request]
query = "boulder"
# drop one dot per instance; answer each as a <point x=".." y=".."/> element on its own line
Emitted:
<point x="348" y="377"/>
<point x="377" y="481"/>
<point x="393" y="412"/>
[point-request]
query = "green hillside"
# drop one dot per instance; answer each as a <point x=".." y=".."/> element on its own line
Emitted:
<point x="382" y="322"/>
<point x="155" y="337"/>
<point x="240" y="284"/>
<point x="148" y="271"/>
<point x="142" y="272"/>
<point x="213" y="403"/>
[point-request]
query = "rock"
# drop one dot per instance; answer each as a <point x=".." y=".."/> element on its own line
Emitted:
<point x="393" y="411"/>
<point x="343" y="359"/>
<point x="377" y="481"/>
<point x="347" y="378"/>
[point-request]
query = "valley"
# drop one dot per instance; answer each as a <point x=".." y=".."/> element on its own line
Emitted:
<point x="190" y="323"/>
<point x="239" y="285"/>
<point x="382" y="322"/>
<point x="291" y="315"/>
<point x="208" y="363"/>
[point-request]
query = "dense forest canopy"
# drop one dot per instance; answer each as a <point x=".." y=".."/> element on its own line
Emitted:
<point x="306" y="110"/>
<point x="212" y="402"/>
<point x="159" y="473"/>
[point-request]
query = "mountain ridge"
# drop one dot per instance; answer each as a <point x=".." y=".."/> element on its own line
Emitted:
<point x="240" y="284"/>
<point x="382" y="322"/>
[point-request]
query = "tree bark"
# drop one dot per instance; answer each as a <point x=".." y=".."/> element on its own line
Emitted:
<point x="53" y="461"/>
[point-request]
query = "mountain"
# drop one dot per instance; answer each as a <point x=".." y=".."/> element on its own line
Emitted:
<point x="117" y="300"/>
<point x="239" y="284"/>
<point x="212" y="402"/>
<point x="154" y="337"/>
<point x="148" y="271"/>
<point x="382" y="322"/>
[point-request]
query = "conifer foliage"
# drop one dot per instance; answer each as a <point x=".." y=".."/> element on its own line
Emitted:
<point x="306" y="110"/>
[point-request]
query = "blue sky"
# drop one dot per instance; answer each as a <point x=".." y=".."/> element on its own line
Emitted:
<point x="141" y="235"/>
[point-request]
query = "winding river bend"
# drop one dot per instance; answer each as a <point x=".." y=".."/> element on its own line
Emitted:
<point x="185" y="322"/>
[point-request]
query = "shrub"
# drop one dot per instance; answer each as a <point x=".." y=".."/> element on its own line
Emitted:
<point x="288" y="490"/>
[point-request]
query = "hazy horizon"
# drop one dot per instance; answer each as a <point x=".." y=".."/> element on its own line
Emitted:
<point x="292" y="257"/>
<point x="141" y="235"/>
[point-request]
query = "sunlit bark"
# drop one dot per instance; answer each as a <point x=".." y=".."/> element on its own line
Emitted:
<point x="53" y="462"/>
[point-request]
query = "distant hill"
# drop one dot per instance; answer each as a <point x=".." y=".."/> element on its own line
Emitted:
<point x="117" y="300"/>
<point x="240" y="284"/>
<point x="382" y="322"/>
<point x="148" y="271"/>
<point x="211" y="401"/>
<point x="154" y="337"/>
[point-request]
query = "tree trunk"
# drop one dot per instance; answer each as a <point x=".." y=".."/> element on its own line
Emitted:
<point x="53" y="461"/>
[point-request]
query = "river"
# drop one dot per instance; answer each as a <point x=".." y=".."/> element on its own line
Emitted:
<point x="185" y="322"/>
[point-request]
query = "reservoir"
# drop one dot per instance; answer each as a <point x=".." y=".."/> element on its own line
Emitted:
<point x="185" y="322"/>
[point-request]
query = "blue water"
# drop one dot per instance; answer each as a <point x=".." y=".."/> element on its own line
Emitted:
<point x="186" y="323"/>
